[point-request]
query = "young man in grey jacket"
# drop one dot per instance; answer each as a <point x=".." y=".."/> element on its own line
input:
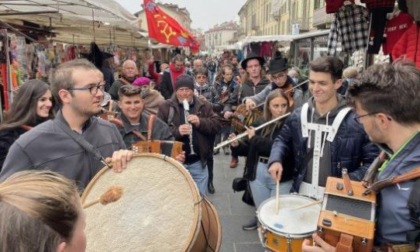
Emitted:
<point x="56" y="145"/>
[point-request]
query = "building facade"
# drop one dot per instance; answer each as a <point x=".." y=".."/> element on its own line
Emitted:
<point x="221" y="36"/>
<point x="276" y="17"/>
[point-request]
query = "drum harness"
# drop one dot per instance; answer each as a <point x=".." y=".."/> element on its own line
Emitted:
<point x="82" y="142"/>
<point x="313" y="190"/>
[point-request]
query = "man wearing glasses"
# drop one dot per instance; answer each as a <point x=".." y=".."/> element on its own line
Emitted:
<point x="322" y="135"/>
<point x="278" y="72"/>
<point x="76" y="143"/>
<point x="386" y="101"/>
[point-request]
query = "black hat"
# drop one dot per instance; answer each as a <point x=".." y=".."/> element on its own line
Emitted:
<point x="250" y="57"/>
<point x="184" y="81"/>
<point x="277" y="65"/>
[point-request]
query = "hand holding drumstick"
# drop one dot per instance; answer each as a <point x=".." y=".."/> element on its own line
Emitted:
<point x="113" y="194"/>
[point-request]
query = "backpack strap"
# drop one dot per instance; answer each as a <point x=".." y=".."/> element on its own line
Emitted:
<point x="150" y="124"/>
<point x="379" y="185"/>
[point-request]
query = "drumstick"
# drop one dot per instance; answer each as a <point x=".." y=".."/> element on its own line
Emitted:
<point x="277" y="196"/>
<point x="111" y="195"/>
<point x="306" y="205"/>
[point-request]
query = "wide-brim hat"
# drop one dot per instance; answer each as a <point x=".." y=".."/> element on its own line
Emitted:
<point x="251" y="57"/>
<point x="277" y="65"/>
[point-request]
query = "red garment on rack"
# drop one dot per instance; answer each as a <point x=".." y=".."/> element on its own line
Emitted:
<point x="332" y="6"/>
<point x="394" y="29"/>
<point x="408" y="46"/>
<point x="373" y="4"/>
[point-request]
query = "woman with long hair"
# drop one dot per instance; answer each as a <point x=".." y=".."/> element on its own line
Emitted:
<point x="258" y="147"/>
<point x="40" y="211"/>
<point x="31" y="106"/>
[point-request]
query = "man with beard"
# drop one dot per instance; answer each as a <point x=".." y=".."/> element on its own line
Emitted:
<point x="386" y="99"/>
<point x="176" y="69"/>
<point x="128" y="75"/>
<point x="76" y="142"/>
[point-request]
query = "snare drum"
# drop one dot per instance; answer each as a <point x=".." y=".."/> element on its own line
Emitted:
<point x="286" y="230"/>
<point x="168" y="148"/>
<point x="159" y="209"/>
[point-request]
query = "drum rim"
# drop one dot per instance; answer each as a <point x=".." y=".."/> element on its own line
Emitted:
<point x="197" y="198"/>
<point x="206" y="200"/>
<point x="283" y="234"/>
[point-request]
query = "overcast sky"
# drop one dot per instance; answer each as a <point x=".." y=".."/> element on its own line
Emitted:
<point x="204" y="13"/>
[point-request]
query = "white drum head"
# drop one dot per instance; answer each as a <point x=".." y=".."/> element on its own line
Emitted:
<point x="289" y="222"/>
<point x="159" y="208"/>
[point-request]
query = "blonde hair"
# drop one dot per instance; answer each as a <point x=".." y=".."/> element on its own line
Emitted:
<point x="267" y="113"/>
<point x="38" y="210"/>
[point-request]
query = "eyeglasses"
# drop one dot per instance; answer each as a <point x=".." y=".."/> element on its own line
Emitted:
<point x="92" y="89"/>
<point x="357" y="118"/>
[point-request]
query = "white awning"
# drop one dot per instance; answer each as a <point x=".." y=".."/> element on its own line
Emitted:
<point x="266" y="38"/>
<point x="79" y="21"/>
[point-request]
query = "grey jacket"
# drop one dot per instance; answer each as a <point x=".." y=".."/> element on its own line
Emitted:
<point x="48" y="147"/>
<point x="393" y="215"/>
<point x="161" y="130"/>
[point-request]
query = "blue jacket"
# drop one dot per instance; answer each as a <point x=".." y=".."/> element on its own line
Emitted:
<point x="350" y="148"/>
<point x="393" y="217"/>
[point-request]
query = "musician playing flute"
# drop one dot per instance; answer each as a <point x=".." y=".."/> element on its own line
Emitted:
<point x="195" y="127"/>
<point x="322" y="135"/>
<point x="257" y="148"/>
<point x="386" y="101"/>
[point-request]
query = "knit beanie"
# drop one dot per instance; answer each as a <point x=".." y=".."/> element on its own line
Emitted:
<point x="141" y="81"/>
<point x="184" y="81"/>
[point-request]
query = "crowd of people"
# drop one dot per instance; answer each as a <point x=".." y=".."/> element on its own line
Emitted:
<point x="53" y="137"/>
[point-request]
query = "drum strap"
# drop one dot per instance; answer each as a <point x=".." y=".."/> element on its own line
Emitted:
<point x="150" y="123"/>
<point x="82" y="142"/>
<point x="323" y="132"/>
<point x="124" y="81"/>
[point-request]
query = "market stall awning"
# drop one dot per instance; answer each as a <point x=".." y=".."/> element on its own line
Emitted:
<point x="79" y="21"/>
<point x="266" y="38"/>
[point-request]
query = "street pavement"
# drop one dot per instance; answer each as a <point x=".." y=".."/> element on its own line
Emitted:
<point x="233" y="213"/>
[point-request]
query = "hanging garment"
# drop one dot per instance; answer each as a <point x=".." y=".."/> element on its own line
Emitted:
<point x="332" y="6"/>
<point x="378" y="21"/>
<point x="408" y="46"/>
<point x="374" y="4"/>
<point x="351" y="28"/>
<point x="394" y="29"/>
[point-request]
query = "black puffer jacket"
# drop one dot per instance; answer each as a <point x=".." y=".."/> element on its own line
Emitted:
<point x="7" y="138"/>
<point x="350" y="148"/>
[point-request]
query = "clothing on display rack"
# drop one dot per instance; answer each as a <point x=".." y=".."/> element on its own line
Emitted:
<point x="395" y="28"/>
<point x="332" y="6"/>
<point x="350" y="27"/>
<point x="408" y="46"/>
<point x="378" y="22"/>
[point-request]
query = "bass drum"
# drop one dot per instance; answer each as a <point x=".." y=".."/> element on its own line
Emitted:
<point x="159" y="210"/>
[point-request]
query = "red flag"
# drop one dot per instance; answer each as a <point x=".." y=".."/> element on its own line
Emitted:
<point x="167" y="30"/>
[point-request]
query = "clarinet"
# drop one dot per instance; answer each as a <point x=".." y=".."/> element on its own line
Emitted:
<point x="186" y="114"/>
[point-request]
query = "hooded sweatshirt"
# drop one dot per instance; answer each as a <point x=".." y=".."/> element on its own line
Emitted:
<point x="325" y="160"/>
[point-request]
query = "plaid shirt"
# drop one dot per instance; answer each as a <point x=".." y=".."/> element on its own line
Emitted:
<point x="374" y="4"/>
<point x="351" y="28"/>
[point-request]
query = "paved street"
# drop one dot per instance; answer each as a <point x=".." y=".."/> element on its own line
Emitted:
<point x="233" y="213"/>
